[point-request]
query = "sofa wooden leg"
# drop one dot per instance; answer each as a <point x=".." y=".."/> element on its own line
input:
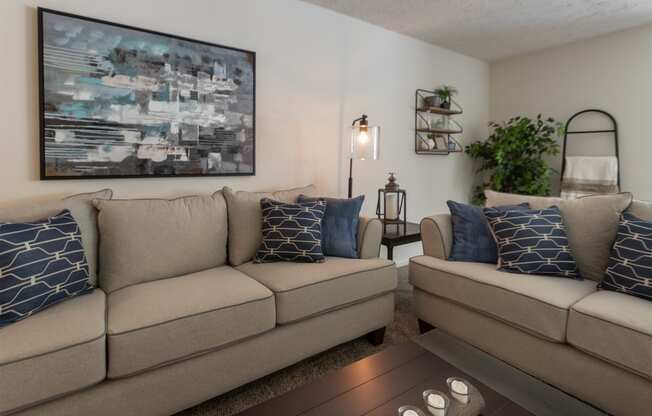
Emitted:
<point x="424" y="326"/>
<point x="376" y="337"/>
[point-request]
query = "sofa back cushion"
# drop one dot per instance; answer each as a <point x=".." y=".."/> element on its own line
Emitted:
<point x="496" y="199"/>
<point x="641" y="209"/>
<point x="150" y="239"/>
<point x="591" y="222"/>
<point x="82" y="210"/>
<point x="246" y="219"/>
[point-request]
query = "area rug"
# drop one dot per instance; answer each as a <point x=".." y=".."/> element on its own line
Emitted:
<point x="403" y="328"/>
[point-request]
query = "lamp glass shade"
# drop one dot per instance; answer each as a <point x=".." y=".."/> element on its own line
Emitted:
<point x="365" y="142"/>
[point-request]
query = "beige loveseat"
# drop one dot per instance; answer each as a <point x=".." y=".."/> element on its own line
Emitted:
<point x="593" y="344"/>
<point x="177" y="318"/>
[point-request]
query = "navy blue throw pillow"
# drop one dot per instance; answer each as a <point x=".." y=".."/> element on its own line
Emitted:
<point x="41" y="263"/>
<point x="630" y="264"/>
<point x="472" y="238"/>
<point x="339" y="229"/>
<point x="532" y="242"/>
<point x="291" y="232"/>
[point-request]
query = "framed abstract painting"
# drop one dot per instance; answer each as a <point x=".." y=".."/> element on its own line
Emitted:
<point x="124" y="102"/>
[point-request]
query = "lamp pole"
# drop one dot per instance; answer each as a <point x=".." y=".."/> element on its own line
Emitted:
<point x="351" y="177"/>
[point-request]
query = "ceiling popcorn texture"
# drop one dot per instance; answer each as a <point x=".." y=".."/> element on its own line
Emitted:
<point x="496" y="29"/>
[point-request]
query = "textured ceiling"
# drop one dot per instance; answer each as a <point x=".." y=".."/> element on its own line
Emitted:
<point x="495" y="29"/>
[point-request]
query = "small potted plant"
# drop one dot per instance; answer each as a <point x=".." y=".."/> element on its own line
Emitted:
<point x="445" y="93"/>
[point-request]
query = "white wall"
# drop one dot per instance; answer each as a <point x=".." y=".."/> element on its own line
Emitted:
<point x="611" y="72"/>
<point x="316" y="71"/>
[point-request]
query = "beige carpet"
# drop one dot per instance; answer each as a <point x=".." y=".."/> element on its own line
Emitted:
<point x="403" y="328"/>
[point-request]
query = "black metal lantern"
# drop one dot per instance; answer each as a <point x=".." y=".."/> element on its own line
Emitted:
<point x="391" y="208"/>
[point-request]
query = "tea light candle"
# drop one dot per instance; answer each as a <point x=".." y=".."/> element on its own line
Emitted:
<point x="410" y="412"/>
<point x="460" y="391"/>
<point x="436" y="404"/>
<point x="391" y="206"/>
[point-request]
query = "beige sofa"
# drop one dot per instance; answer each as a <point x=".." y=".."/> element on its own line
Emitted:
<point x="595" y="345"/>
<point x="177" y="318"/>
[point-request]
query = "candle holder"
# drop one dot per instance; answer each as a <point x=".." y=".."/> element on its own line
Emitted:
<point x="392" y="205"/>
<point x="462" y="399"/>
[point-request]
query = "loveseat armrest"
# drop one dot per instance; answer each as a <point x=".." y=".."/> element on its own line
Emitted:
<point x="437" y="235"/>
<point x="370" y="233"/>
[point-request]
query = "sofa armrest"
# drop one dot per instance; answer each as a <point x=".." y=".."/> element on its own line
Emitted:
<point x="437" y="235"/>
<point x="370" y="233"/>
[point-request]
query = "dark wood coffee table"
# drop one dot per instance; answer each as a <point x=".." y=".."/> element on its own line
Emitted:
<point x="377" y="386"/>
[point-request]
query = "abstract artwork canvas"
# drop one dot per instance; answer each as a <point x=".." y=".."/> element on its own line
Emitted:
<point x="118" y="101"/>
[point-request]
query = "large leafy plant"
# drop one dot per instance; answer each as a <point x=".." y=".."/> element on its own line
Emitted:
<point x="512" y="158"/>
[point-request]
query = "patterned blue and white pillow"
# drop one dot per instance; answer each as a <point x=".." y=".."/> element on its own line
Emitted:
<point x="291" y="232"/>
<point x="532" y="242"/>
<point x="630" y="264"/>
<point x="41" y="263"/>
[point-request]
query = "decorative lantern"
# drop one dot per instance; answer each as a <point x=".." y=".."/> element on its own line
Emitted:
<point x="392" y="206"/>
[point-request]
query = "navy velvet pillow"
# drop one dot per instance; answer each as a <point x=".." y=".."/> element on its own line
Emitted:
<point x="41" y="263"/>
<point x="291" y="232"/>
<point x="472" y="238"/>
<point x="630" y="263"/>
<point x="339" y="232"/>
<point x="532" y="242"/>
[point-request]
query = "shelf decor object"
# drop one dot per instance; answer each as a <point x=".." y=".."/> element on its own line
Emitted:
<point x="365" y="144"/>
<point x="392" y="205"/>
<point x="434" y="126"/>
<point x="124" y="102"/>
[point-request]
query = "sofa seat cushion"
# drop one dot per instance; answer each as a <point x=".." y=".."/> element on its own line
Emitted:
<point x="59" y="350"/>
<point x="537" y="304"/>
<point x="615" y="327"/>
<point x="167" y="320"/>
<point x="306" y="289"/>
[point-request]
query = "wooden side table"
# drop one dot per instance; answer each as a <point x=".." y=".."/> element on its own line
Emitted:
<point x="398" y="236"/>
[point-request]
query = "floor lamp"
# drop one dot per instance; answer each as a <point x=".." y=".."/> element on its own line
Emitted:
<point x="365" y="142"/>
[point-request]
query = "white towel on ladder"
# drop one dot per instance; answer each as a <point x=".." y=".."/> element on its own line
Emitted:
<point x="589" y="175"/>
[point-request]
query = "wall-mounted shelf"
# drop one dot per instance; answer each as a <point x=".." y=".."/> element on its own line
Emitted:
<point x="441" y="131"/>
<point x="434" y="136"/>
<point x="439" y="110"/>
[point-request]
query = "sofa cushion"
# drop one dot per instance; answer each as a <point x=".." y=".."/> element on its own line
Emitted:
<point x="306" y="289"/>
<point x="155" y="323"/>
<point x="591" y="222"/>
<point x="246" y="218"/>
<point x="339" y="229"/>
<point x="472" y="237"/>
<point x="59" y="350"/>
<point x="150" y="239"/>
<point x="291" y="232"/>
<point x="615" y="327"/>
<point x="641" y="209"/>
<point x="630" y="264"/>
<point x="42" y="263"/>
<point x="532" y="242"/>
<point x="81" y="207"/>
<point x="537" y="304"/>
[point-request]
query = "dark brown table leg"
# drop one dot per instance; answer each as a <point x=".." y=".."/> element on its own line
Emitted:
<point x="390" y="252"/>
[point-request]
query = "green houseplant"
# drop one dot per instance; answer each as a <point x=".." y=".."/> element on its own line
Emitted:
<point x="445" y="93"/>
<point x="512" y="158"/>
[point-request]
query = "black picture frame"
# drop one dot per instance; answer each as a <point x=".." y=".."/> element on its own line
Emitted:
<point x="42" y="102"/>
